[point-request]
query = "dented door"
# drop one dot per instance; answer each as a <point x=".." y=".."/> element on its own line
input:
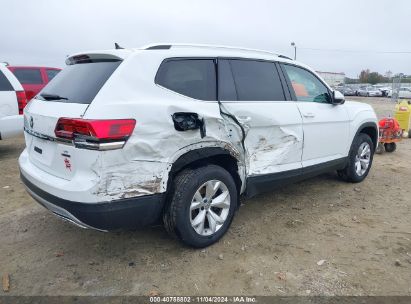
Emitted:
<point x="251" y="91"/>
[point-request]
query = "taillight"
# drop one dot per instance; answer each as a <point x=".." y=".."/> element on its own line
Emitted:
<point x="402" y="108"/>
<point x="21" y="100"/>
<point x="95" y="134"/>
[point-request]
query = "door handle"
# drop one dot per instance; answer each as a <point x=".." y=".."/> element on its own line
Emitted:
<point x="244" y="119"/>
<point x="309" y="115"/>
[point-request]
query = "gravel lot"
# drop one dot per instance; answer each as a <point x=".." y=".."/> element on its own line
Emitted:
<point x="317" y="237"/>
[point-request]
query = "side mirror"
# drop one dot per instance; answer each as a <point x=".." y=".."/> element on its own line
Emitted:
<point x="337" y="98"/>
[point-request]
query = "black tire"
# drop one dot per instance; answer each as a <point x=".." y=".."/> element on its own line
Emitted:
<point x="409" y="133"/>
<point x="368" y="94"/>
<point x="176" y="216"/>
<point x="349" y="173"/>
<point x="390" y="147"/>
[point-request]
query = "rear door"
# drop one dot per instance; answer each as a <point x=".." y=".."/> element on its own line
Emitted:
<point x="252" y="91"/>
<point x="69" y="95"/>
<point x="326" y="126"/>
<point x="31" y="79"/>
<point x="8" y="99"/>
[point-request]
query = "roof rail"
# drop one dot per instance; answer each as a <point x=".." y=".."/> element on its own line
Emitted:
<point x="159" y="47"/>
<point x="285" y="57"/>
<point x="223" y="47"/>
<point x="168" y="46"/>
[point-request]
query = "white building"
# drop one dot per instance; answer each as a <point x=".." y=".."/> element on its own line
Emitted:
<point x="333" y="79"/>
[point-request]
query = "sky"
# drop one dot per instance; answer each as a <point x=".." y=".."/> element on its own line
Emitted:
<point x="335" y="35"/>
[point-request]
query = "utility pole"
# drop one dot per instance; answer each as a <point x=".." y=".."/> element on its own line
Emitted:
<point x="295" y="50"/>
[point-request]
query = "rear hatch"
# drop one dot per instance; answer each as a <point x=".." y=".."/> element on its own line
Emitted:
<point x="68" y="95"/>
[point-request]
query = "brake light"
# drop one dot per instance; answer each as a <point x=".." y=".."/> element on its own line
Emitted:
<point x="95" y="134"/>
<point x="402" y="108"/>
<point x="21" y="100"/>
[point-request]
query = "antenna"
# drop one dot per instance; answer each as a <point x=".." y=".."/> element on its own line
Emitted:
<point x="117" y="46"/>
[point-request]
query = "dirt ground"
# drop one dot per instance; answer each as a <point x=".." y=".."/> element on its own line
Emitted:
<point x="318" y="237"/>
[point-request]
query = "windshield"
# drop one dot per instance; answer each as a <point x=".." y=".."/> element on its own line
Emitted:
<point x="79" y="83"/>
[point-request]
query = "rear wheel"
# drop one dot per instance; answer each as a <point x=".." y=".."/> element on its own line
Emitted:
<point x="202" y="205"/>
<point x="390" y="147"/>
<point x="359" y="159"/>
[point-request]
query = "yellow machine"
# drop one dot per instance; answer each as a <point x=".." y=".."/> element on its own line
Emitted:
<point x="403" y="115"/>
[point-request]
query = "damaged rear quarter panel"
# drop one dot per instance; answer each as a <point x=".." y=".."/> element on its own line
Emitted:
<point x="142" y="166"/>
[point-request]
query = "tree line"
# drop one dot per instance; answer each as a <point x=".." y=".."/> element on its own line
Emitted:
<point x="366" y="76"/>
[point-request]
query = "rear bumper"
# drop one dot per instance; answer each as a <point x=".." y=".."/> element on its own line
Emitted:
<point x="124" y="213"/>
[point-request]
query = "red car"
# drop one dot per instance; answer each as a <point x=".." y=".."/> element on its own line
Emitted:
<point x="33" y="79"/>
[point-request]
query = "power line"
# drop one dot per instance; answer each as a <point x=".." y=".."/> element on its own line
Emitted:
<point x="356" y="51"/>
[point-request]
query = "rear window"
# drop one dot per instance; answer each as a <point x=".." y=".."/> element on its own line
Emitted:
<point x="194" y="78"/>
<point x="5" y="85"/>
<point x="256" y="81"/>
<point x="28" y="76"/>
<point x="79" y="83"/>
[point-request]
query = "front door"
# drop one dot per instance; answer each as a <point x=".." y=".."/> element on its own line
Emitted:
<point x="326" y="126"/>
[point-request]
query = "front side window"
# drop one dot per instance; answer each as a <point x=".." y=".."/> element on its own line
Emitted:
<point x="256" y="80"/>
<point x="28" y="76"/>
<point x="194" y="78"/>
<point x="306" y="86"/>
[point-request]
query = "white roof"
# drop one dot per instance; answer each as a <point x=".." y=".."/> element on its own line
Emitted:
<point x="183" y="49"/>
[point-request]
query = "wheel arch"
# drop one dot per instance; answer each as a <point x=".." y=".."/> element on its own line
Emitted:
<point x="204" y="156"/>
<point x="371" y="129"/>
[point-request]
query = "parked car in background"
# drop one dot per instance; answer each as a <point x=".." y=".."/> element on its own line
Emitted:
<point x="346" y="91"/>
<point x="369" y="91"/>
<point x="126" y="137"/>
<point x="12" y="102"/>
<point x="384" y="90"/>
<point x="403" y="93"/>
<point x="33" y="79"/>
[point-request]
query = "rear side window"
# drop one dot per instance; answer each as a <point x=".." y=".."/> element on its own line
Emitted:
<point x="28" y="76"/>
<point x="226" y="86"/>
<point x="194" y="78"/>
<point x="5" y="84"/>
<point x="256" y="80"/>
<point x="79" y="83"/>
<point x="51" y="74"/>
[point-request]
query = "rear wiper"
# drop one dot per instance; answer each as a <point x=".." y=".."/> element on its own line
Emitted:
<point x="53" y="97"/>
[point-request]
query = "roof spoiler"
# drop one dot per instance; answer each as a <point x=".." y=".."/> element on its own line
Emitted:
<point x="92" y="58"/>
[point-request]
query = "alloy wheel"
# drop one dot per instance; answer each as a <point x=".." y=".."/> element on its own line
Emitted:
<point x="210" y="207"/>
<point x="362" y="159"/>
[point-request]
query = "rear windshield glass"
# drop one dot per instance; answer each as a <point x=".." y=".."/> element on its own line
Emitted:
<point x="79" y="83"/>
<point x="4" y="83"/>
<point x="28" y="76"/>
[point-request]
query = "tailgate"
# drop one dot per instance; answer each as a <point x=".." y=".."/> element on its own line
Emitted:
<point x="40" y="118"/>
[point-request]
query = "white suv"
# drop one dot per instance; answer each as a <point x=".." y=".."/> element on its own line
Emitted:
<point x="127" y="137"/>
<point x="12" y="101"/>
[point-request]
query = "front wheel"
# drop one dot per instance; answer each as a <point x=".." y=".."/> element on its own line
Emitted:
<point x="202" y="205"/>
<point x="359" y="159"/>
